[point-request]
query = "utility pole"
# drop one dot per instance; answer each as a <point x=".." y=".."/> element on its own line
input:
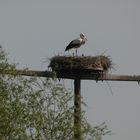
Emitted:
<point x="77" y="109"/>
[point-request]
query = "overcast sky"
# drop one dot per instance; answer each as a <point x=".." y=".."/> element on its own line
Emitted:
<point x="32" y="31"/>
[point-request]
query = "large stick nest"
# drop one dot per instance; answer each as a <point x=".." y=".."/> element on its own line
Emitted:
<point x="80" y="64"/>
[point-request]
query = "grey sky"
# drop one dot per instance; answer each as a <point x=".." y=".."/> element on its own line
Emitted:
<point x="32" y="31"/>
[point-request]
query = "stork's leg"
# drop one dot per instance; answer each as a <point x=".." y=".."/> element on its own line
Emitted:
<point x="76" y="51"/>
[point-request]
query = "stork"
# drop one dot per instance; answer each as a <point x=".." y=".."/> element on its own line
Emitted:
<point x="76" y="43"/>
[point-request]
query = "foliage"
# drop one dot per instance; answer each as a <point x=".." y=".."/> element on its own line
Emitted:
<point x="38" y="109"/>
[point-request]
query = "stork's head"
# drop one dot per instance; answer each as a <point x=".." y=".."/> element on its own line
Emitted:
<point x="82" y="36"/>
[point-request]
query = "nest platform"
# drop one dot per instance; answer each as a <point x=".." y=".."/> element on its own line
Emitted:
<point x="80" y="65"/>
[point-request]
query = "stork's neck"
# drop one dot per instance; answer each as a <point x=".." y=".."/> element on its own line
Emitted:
<point x="83" y="41"/>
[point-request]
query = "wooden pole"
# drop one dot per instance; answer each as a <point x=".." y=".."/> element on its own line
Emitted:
<point x="77" y="109"/>
<point x="86" y="76"/>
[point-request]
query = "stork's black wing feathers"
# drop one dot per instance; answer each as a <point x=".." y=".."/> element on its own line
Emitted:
<point x="73" y="44"/>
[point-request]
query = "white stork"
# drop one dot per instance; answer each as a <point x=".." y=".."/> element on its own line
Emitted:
<point x="76" y="43"/>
